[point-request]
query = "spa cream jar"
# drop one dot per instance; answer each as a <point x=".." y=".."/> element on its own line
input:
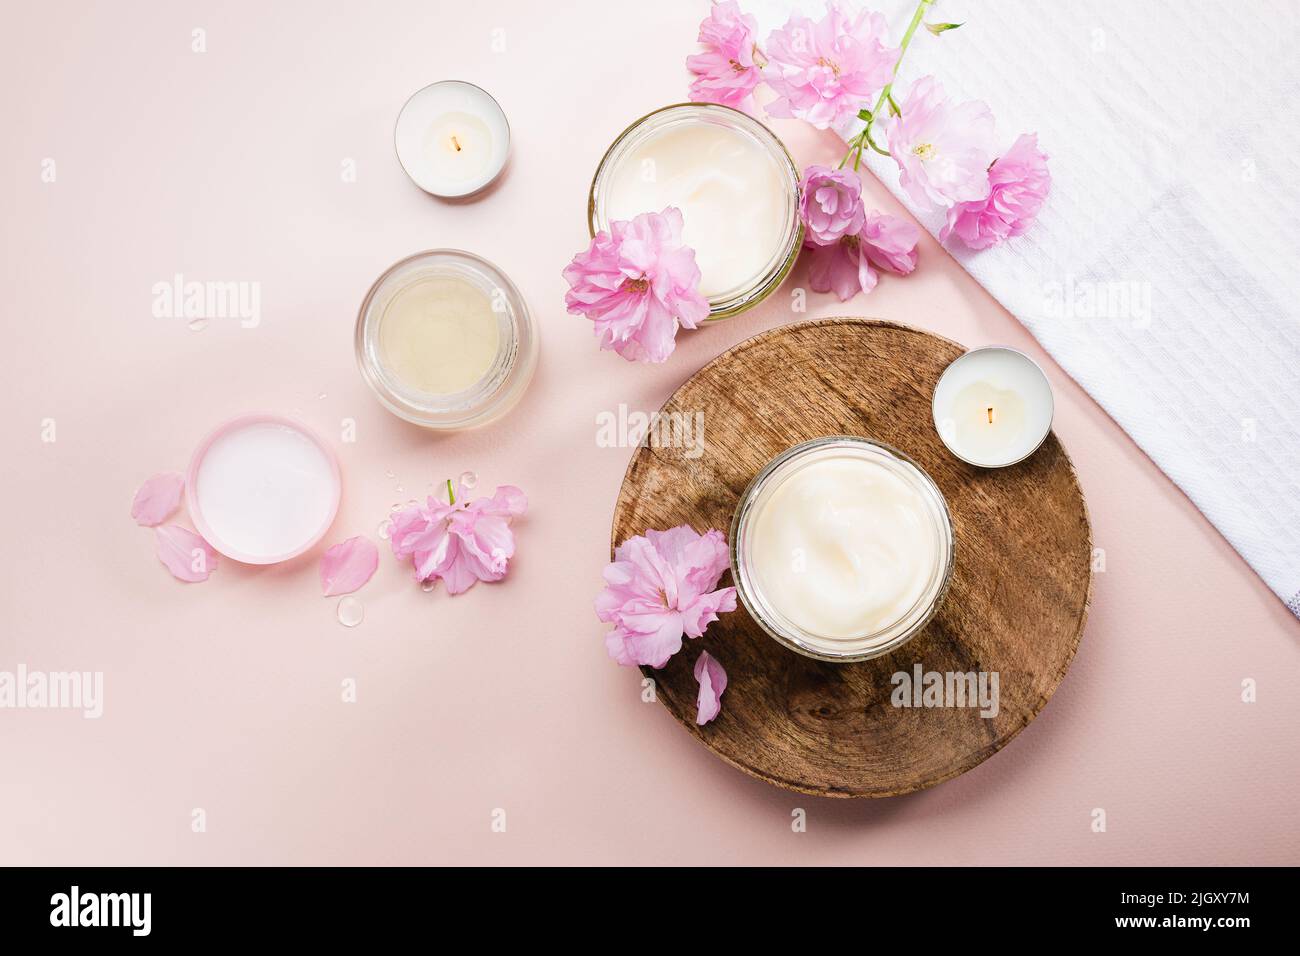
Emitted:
<point x="446" y="340"/>
<point x="263" y="488"/>
<point x="737" y="188"/>
<point x="841" y="548"/>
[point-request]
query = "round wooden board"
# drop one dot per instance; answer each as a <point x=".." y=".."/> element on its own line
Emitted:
<point x="1016" y="606"/>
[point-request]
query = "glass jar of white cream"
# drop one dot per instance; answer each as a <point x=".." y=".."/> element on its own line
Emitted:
<point x="841" y="548"/>
<point x="732" y="179"/>
<point x="445" y="340"/>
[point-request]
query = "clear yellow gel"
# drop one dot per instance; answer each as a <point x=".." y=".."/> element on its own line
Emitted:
<point x="439" y="335"/>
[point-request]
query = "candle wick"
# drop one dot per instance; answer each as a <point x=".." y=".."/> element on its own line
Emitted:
<point x="455" y="142"/>
<point x="990" y="414"/>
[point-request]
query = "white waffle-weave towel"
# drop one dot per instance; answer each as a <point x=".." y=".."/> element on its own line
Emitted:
<point x="1162" y="272"/>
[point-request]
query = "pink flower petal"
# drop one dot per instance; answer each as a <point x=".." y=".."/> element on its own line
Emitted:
<point x="840" y="268"/>
<point x="650" y="636"/>
<point x="458" y="572"/>
<point x="713" y="681"/>
<point x="157" y="498"/>
<point x="704" y="611"/>
<point x="348" y="565"/>
<point x="507" y="501"/>
<point x="187" y="556"/>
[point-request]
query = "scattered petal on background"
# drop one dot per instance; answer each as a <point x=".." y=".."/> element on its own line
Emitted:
<point x="348" y="565"/>
<point x="157" y="498"/>
<point x="187" y="556"/>
<point x="713" y="681"/>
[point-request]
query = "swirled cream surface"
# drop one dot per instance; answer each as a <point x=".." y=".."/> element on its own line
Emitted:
<point x="845" y="545"/>
<point x="731" y="192"/>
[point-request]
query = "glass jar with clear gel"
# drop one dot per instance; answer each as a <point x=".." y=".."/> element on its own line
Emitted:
<point x="445" y="340"/>
<point x="737" y="188"/>
<point x="842" y="548"/>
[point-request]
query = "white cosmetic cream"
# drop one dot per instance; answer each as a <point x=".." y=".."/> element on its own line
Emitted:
<point x="445" y="340"/>
<point x="733" y="181"/>
<point x="262" y="489"/>
<point x="842" y="548"/>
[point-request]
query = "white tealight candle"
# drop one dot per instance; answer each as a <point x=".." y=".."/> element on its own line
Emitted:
<point x="993" y="407"/>
<point x="452" y="139"/>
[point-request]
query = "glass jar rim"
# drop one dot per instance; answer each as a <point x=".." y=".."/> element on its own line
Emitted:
<point x="864" y="647"/>
<point x="782" y="261"/>
<point x="492" y="395"/>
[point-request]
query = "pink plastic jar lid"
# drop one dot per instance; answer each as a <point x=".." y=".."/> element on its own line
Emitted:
<point x="263" y="488"/>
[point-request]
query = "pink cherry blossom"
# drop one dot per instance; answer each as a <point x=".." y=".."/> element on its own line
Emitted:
<point x="713" y="681"/>
<point x="1019" y="183"/>
<point x="638" y="282"/>
<point x="842" y="268"/>
<point x="942" y="149"/>
<point x="830" y="204"/>
<point x="890" y="242"/>
<point x="824" y="72"/>
<point x="846" y="267"/>
<point x="730" y="67"/>
<point x="187" y="556"/>
<point x="659" y="587"/>
<point x="460" y="542"/>
<point x="348" y="565"/>
<point x="157" y="498"/>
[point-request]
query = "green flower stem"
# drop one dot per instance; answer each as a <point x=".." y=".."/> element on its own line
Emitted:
<point x="864" y="139"/>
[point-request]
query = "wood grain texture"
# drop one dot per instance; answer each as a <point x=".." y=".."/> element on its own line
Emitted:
<point x="1016" y="605"/>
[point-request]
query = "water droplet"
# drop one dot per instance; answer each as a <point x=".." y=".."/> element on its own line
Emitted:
<point x="468" y="479"/>
<point x="395" y="508"/>
<point x="351" y="611"/>
<point x="322" y="396"/>
<point x="384" y="530"/>
<point x="389" y="474"/>
<point x="429" y="585"/>
<point x="399" y="489"/>
<point x="198" y="325"/>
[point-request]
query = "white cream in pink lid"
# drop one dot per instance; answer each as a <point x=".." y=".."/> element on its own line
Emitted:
<point x="263" y="489"/>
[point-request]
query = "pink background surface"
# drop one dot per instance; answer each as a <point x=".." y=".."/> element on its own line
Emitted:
<point x="226" y="695"/>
